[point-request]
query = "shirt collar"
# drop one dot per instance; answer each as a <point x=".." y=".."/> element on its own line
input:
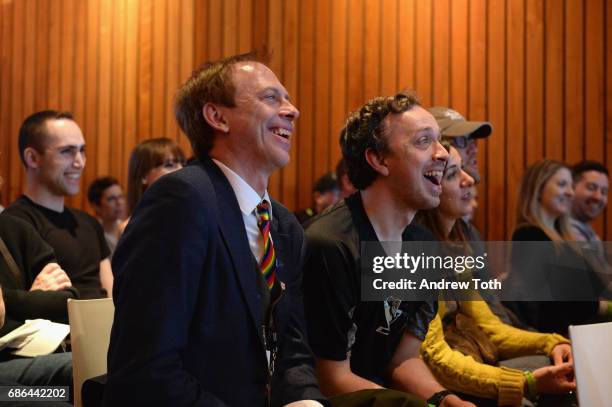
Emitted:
<point x="248" y="199"/>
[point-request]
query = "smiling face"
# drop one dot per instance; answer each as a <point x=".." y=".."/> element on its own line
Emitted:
<point x="62" y="160"/>
<point x="261" y="124"/>
<point x="591" y="195"/>
<point x="456" y="198"/>
<point x="557" y="193"/>
<point x="415" y="158"/>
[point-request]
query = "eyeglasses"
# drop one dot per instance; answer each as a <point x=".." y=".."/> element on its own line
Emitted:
<point x="172" y="164"/>
<point x="462" y="141"/>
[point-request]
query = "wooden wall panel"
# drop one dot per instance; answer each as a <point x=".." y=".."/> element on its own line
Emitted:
<point x="539" y="70"/>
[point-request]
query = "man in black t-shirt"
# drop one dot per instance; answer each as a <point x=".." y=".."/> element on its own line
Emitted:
<point x="52" y="149"/>
<point x="395" y="160"/>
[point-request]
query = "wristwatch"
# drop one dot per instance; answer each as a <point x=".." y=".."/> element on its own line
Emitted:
<point x="437" y="398"/>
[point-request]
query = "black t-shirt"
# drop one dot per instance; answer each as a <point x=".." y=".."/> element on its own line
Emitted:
<point x="76" y="237"/>
<point x="30" y="254"/>
<point x="340" y="325"/>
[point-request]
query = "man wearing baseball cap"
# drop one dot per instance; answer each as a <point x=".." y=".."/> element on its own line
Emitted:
<point x="463" y="135"/>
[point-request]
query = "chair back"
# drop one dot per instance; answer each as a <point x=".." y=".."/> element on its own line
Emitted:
<point x="90" y="327"/>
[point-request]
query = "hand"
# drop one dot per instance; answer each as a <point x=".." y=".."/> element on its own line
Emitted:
<point x="51" y="278"/>
<point x="561" y="353"/>
<point x="453" y="400"/>
<point x="557" y="379"/>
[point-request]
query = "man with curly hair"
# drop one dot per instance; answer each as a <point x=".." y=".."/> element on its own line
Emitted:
<point x="394" y="157"/>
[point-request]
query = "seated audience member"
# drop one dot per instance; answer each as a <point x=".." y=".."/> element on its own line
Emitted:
<point x="590" y="198"/>
<point x="395" y="159"/>
<point x="346" y="186"/>
<point x="52" y="149"/>
<point x="106" y="198"/>
<point x="33" y="286"/>
<point x="543" y="214"/>
<point x="326" y="192"/>
<point x="208" y="305"/>
<point x="448" y="350"/>
<point x="150" y="160"/>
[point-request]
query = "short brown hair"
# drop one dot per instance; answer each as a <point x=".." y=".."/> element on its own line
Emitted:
<point x="212" y="83"/>
<point x="33" y="130"/>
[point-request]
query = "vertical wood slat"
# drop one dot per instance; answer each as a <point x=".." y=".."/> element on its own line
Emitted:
<point x="355" y="59"/>
<point x="534" y="96"/>
<point x="338" y="76"/>
<point x="305" y="149"/>
<point x="594" y="87"/>
<point x="441" y="53"/>
<point x="515" y="95"/>
<point x="290" y="46"/>
<point x="7" y="149"/>
<point x="172" y="66"/>
<point x="388" y="47"/>
<point x="406" y="51"/>
<point x="187" y="63"/>
<point x="423" y="43"/>
<point x="608" y="101"/>
<point x="14" y="178"/>
<point x="90" y="119"/>
<point x="574" y="91"/>
<point x="322" y="139"/>
<point x="275" y="45"/>
<point x="554" y="80"/>
<point x="145" y="69"/>
<point x="102" y="149"/>
<point x="459" y="62"/>
<point x="159" y="60"/>
<point x="371" y="49"/>
<point x="230" y="28"/>
<point x="129" y="129"/>
<point x="477" y="97"/>
<point x="496" y="212"/>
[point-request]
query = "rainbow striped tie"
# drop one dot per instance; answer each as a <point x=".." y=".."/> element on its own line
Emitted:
<point x="268" y="261"/>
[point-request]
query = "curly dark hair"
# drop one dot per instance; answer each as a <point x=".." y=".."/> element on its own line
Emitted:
<point x="365" y="130"/>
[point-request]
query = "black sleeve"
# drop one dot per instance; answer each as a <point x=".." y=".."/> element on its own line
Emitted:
<point x="329" y="299"/>
<point x="157" y="267"/>
<point x="22" y="304"/>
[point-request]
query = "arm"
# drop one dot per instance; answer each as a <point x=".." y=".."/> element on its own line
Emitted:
<point x="408" y="372"/>
<point x="337" y="378"/>
<point x="106" y="276"/>
<point x="157" y="268"/>
<point x="461" y="373"/>
<point x="511" y="342"/>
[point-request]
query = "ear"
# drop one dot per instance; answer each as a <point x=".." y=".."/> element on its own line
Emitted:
<point x="377" y="161"/>
<point x="215" y="117"/>
<point x="31" y="157"/>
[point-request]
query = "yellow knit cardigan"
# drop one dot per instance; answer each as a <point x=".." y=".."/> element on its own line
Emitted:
<point x="462" y="373"/>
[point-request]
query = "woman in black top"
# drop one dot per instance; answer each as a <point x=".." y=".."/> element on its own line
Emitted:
<point x="543" y="208"/>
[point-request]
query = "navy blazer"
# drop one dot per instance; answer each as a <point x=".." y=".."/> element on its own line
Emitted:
<point x="187" y="328"/>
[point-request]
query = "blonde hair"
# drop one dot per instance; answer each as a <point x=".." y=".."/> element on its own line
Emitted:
<point x="529" y="207"/>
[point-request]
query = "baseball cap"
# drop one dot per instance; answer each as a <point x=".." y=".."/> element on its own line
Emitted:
<point x="452" y="124"/>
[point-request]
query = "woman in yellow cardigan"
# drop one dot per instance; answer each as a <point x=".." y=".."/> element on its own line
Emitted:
<point x="463" y="373"/>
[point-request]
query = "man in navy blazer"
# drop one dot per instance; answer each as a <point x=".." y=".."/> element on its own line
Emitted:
<point x="195" y="321"/>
